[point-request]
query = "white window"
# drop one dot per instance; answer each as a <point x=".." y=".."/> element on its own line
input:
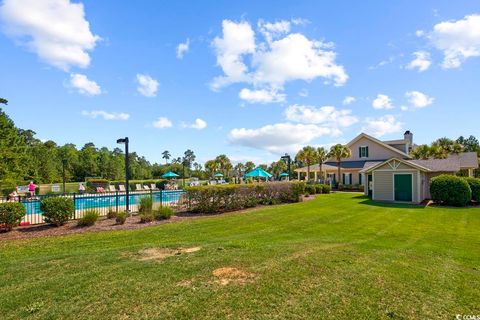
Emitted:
<point x="363" y="151"/>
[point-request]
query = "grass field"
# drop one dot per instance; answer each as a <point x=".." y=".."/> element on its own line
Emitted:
<point x="339" y="256"/>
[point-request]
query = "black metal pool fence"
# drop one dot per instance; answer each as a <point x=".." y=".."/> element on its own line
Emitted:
<point x="102" y="202"/>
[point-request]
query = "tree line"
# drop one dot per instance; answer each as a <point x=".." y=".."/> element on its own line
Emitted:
<point x="23" y="158"/>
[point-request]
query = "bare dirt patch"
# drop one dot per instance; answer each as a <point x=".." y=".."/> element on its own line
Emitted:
<point x="158" y="254"/>
<point x="229" y="275"/>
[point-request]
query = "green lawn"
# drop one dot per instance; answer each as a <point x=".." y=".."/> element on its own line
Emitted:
<point x="337" y="257"/>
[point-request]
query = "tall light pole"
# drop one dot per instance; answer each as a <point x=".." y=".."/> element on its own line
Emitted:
<point x="127" y="171"/>
<point x="64" y="164"/>
<point x="288" y="160"/>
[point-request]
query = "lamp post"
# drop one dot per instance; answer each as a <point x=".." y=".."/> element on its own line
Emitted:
<point x="127" y="171"/>
<point x="288" y="160"/>
<point x="64" y="164"/>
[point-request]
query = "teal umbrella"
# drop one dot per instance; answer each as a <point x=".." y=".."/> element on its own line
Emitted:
<point x="283" y="174"/>
<point x="258" y="173"/>
<point x="170" y="174"/>
<point x="218" y="175"/>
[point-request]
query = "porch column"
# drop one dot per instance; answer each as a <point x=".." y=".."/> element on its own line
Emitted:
<point x="315" y="176"/>
<point x="298" y="175"/>
<point x="470" y="173"/>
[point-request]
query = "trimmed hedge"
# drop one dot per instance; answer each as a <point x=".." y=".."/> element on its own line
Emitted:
<point x="474" y="184"/>
<point x="11" y="214"/>
<point x="450" y="190"/>
<point x="218" y="198"/>
<point x="57" y="210"/>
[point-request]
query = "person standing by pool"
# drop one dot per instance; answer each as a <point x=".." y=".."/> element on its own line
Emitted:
<point x="81" y="188"/>
<point x="31" y="188"/>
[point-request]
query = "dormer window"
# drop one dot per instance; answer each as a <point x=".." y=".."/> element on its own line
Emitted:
<point x="363" y="152"/>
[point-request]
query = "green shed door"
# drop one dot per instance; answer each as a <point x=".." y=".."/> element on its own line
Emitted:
<point x="403" y="187"/>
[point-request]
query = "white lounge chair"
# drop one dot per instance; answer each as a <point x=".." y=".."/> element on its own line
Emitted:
<point x="111" y="188"/>
<point x="146" y="187"/>
<point x="138" y="187"/>
<point x="121" y="188"/>
<point x="153" y="186"/>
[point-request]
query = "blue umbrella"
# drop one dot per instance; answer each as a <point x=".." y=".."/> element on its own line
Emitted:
<point x="258" y="173"/>
<point x="218" y="175"/>
<point x="170" y="174"/>
<point x="283" y="174"/>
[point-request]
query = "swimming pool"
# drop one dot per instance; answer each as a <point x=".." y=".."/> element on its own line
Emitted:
<point x="105" y="202"/>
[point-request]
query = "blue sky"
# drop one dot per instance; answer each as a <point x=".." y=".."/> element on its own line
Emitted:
<point x="253" y="80"/>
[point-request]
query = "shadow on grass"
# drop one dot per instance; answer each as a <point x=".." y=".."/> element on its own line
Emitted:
<point x="384" y="204"/>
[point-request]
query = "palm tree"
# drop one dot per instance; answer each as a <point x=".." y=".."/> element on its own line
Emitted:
<point x="224" y="163"/>
<point x="249" y="166"/>
<point x="437" y="151"/>
<point x="307" y="155"/>
<point x="421" y="152"/>
<point x="322" y="156"/>
<point x="239" y="169"/>
<point x="166" y="155"/>
<point x="211" y="166"/>
<point x="338" y="152"/>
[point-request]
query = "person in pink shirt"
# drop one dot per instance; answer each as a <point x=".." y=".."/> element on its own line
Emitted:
<point x="31" y="188"/>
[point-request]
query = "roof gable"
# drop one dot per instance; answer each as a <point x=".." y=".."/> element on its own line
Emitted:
<point x="375" y="140"/>
<point x="405" y="162"/>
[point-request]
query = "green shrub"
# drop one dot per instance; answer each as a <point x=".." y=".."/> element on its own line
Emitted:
<point x="146" y="217"/>
<point x="218" y="198"/>
<point x="310" y="189"/>
<point x="121" y="217"/>
<point x="111" y="214"/>
<point x="326" y="188"/>
<point x="11" y="214"/>
<point x="57" y="210"/>
<point x="318" y="189"/>
<point x="450" y="190"/>
<point x="164" y="213"/>
<point x="146" y="204"/>
<point x="89" y="218"/>
<point x="474" y="184"/>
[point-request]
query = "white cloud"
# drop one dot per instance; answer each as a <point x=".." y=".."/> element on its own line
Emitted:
<point x="281" y="57"/>
<point x="348" y="100"/>
<point x="381" y="126"/>
<point x="418" y="99"/>
<point x="303" y="93"/>
<point x="295" y="57"/>
<point x="261" y="96"/>
<point x="238" y="39"/>
<point x="199" y="124"/>
<point x="147" y="86"/>
<point x="326" y="115"/>
<point x="382" y="101"/>
<point x="56" y="30"/>
<point x="106" y="115"/>
<point x="271" y="30"/>
<point x="83" y="85"/>
<point x="421" y="62"/>
<point x="162" y="123"/>
<point x="183" y="48"/>
<point x="458" y="40"/>
<point x="280" y="137"/>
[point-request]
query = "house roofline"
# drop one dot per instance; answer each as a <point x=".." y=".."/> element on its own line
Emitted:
<point x="408" y="163"/>
<point x="364" y="135"/>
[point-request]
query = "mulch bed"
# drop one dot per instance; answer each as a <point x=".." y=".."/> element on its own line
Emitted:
<point x="104" y="224"/>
